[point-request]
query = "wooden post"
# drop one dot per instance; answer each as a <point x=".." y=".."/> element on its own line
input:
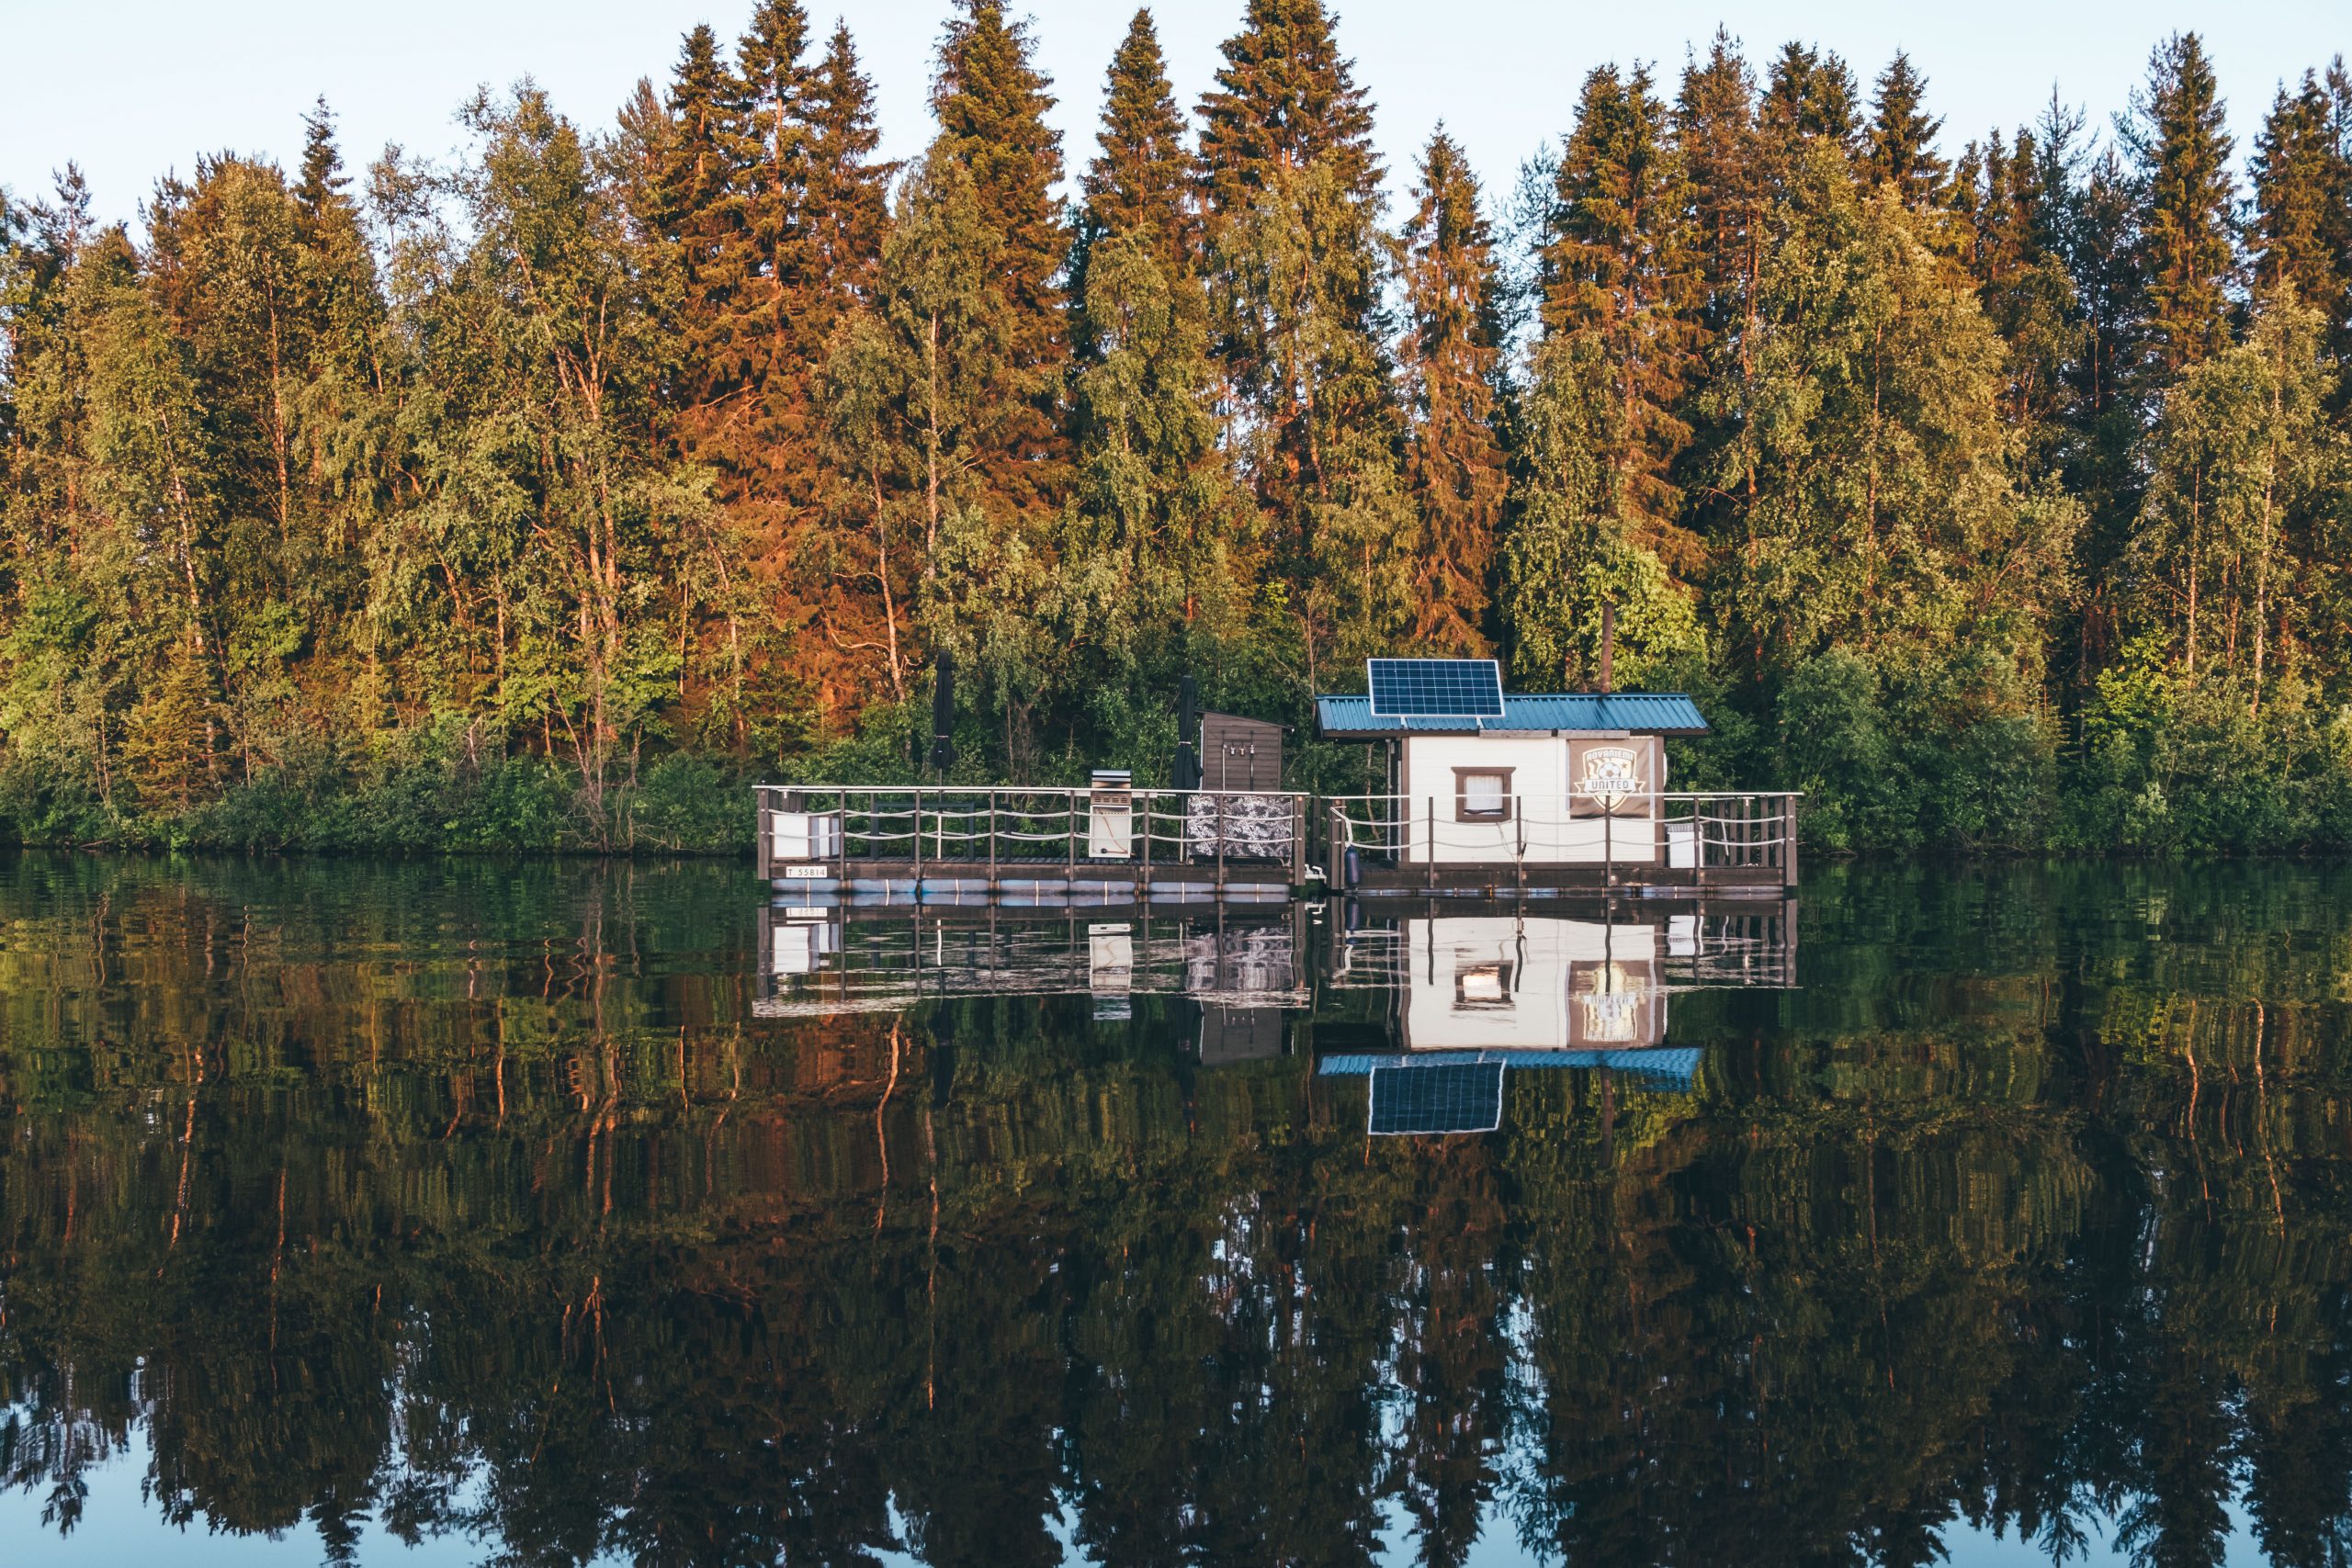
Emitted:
<point x="1431" y="849"/>
<point x="1788" y="842"/>
<point x="1298" y="840"/>
<point x="1519" y="858"/>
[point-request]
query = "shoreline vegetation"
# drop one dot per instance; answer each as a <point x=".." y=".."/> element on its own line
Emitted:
<point x="1995" y="492"/>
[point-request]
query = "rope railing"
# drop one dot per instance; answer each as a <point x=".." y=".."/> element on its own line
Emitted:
<point x="1007" y="826"/>
<point x="1713" y="830"/>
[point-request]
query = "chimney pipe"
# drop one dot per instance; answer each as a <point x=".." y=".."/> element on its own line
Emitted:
<point x="1607" y="649"/>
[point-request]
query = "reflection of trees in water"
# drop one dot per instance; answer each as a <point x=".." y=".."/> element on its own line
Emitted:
<point x="498" y="1212"/>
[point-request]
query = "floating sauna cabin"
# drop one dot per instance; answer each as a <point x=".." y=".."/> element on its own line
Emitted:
<point x="1547" y="789"/>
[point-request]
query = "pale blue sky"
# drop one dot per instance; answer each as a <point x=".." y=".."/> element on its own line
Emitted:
<point x="131" y="87"/>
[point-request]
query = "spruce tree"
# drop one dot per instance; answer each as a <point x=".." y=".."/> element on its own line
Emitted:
<point x="990" y="101"/>
<point x="848" y="187"/>
<point x="1809" y="95"/>
<point x="1285" y="98"/>
<point x="1142" y="181"/>
<point x="1618" y="271"/>
<point x="2301" y="234"/>
<point x="1714" y="132"/>
<point x="1454" y="462"/>
<point x="688" y="199"/>
<point x="2179" y="146"/>
<point x="1902" y="135"/>
<point x="1291" y="185"/>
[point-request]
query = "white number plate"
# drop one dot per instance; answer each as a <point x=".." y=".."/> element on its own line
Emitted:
<point x="806" y="872"/>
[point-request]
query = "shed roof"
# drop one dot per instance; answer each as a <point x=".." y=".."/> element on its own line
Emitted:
<point x="1637" y="712"/>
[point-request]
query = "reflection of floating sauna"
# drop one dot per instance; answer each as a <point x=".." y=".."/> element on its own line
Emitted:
<point x="821" y="961"/>
<point x="1475" y="996"/>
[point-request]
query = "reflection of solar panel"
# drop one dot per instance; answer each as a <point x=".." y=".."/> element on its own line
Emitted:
<point x="1464" y="1098"/>
<point x="1459" y="688"/>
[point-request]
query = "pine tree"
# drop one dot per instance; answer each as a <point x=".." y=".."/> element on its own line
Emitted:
<point x="688" y="199"/>
<point x="1286" y="98"/>
<point x="1902" y="135"/>
<point x="1290" y="187"/>
<point x="2303" y="197"/>
<point x="1809" y="95"/>
<point x="1618" y="270"/>
<point x="1714" y="132"/>
<point x="1454" y="462"/>
<point x="848" y="187"/>
<point x="1142" y="182"/>
<point x="2180" y="148"/>
<point x="990" y="101"/>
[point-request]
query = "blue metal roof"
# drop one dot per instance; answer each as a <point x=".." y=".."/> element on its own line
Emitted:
<point x="1639" y="713"/>
<point x="1674" y="1065"/>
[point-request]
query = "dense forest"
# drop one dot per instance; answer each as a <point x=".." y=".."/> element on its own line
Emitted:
<point x="1992" y="492"/>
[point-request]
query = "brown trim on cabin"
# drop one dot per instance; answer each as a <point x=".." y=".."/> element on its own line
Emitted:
<point x="1462" y="812"/>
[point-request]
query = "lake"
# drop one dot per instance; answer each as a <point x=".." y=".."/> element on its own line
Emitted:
<point x="576" y="1211"/>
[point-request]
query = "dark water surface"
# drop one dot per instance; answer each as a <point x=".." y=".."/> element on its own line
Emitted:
<point x="573" y="1211"/>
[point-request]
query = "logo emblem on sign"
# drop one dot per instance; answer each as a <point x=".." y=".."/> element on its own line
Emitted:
<point x="1610" y="778"/>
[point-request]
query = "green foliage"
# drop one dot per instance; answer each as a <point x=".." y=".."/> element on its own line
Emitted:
<point x="1998" y="498"/>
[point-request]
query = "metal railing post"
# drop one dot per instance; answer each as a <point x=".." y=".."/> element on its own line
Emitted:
<point x="918" y="841"/>
<point x="1432" y="845"/>
<point x="1220" y="842"/>
<point x="993" y="839"/>
<point x="1143" y="805"/>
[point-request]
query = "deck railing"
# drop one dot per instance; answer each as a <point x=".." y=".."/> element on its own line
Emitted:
<point x="1003" y="830"/>
<point x="1696" y="830"/>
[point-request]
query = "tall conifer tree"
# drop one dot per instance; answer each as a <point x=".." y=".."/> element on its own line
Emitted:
<point x="1715" y="131"/>
<point x="848" y="187"/>
<point x="2303" y="197"/>
<point x="1142" y="182"/>
<point x="1618" y="272"/>
<point x="1902" y="135"/>
<point x="2177" y="138"/>
<point x="1291" y="189"/>
<point x="1810" y="95"/>
<point x="990" y="101"/>
<point x="1285" y="98"/>
<point x="1453" y="464"/>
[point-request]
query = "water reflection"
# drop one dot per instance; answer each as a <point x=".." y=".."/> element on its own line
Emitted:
<point x="547" y="1212"/>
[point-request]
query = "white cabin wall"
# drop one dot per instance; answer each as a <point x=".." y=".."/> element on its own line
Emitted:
<point x="1539" y="781"/>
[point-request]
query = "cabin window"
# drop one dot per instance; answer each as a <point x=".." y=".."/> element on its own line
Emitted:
<point x="1481" y="986"/>
<point x="1482" y="795"/>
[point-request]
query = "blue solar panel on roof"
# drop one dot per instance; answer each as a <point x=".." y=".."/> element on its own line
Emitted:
<point x="1457" y="1097"/>
<point x="1468" y="688"/>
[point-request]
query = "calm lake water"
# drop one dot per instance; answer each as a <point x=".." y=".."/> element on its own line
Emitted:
<point x="570" y="1212"/>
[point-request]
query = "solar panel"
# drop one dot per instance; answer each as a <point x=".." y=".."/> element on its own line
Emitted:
<point x="1463" y="1098"/>
<point x="1465" y="688"/>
